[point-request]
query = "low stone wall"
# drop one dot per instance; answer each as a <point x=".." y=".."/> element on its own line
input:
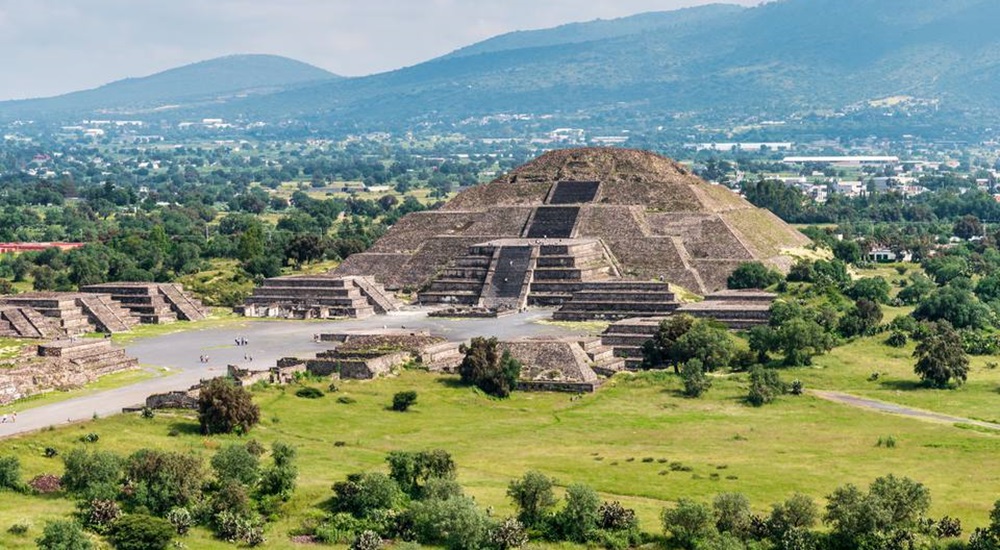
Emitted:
<point x="554" y="386"/>
<point x="174" y="400"/>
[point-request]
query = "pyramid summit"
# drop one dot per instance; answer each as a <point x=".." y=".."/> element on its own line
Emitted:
<point x="628" y="215"/>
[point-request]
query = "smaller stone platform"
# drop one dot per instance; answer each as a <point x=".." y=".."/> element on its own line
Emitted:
<point x="319" y="297"/>
<point x="153" y="303"/>
<point x="59" y="364"/>
<point x="77" y="312"/>
<point x="26" y="322"/>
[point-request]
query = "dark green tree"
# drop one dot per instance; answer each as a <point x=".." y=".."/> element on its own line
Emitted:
<point x="224" y="408"/>
<point x="490" y="370"/>
<point x="141" y="532"/>
<point x="235" y="463"/>
<point x="941" y="357"/>
<point x="707" y="342"/>
<point x="875" y="289"/>
<point x="957" y="306"/>
<point x="658" y="351"/>
<point x="402" y="401"/>
<point x="695" y="381"/>
<point x="532" y="495"/>
<point x="753" y="275"/>
<point x="688" y="522"/>
<point x="63" y="535"/>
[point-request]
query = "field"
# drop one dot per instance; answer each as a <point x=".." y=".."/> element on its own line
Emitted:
<point x="630" y="441"/>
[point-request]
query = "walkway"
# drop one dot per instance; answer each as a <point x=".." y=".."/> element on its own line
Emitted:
<point x="892" y="408"/>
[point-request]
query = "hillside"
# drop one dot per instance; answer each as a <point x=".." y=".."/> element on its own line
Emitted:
<point x="214" y="80"/>
<point x="819" y="64"/>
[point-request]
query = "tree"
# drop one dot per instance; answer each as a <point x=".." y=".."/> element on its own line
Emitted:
<point x="753" y="275"/>
<point x="892" y="507"/>
<point x="160" y="481"/>
<point x="967" y="227"/>
<point x="659" y="350"/>
<point x="798" y="513"/>
<point x="412" y="470"/>
<point x="235" y="463"/>
<point x="875" y="289"/>
<point x="533" y="497"/>
<point x="141" y="532"/>
<point x="578" y="519"/>
<point x="765" y="386"/>
<point x="224" y="408"/>
<point x="941" y="357"/>
<point x="955" y="305"/>
<point x="279" y="479"/>
<point x="695" y="381"/>
<point x="863" y="319"/>
<point x="688" y="522"/>
<point x="455" y="523"/>
<point x="10" y="474"/>
<point x="489" y="370"/>
<point x="362" y="495"/>
<point x="732" y="514"/>
<point x="92" y="475"/>
<point x="711" y="344"/>
<point x="403" y="400"/>
<point x="63" y="535"/>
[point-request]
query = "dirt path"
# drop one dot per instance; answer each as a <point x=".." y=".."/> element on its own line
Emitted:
<point x="892" y="408"/>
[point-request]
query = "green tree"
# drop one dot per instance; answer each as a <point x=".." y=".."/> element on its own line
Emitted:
<point x="695" y="381"/>
<point x="732" y="514"/>
<point x="160" y="481"/>
<point x="485" y="367"/>
<point x="862" y="319"/>
<point x="941" y="357"/>
<point x="967" y="226"/>
<point x="707" y="342"/>
<point x="688" y="522"/>
<point x="753" y="275"/>
<point x="532" y="495"/>
<point x="92" y="475"/>
<point x="224" y="408"/>
<point x="363" y="495"/>
<point x="578" y="519"/>
<point x="798" y="513"/>
<point x="10" y="474"/>
<point x="63" y="535"/>
<point x="454" y="523"/>
<point x="235" y="463"/>
<point x="892" y="507"/>
<point x="141" y="532"/>
<point x="659" y="350"/>
<point x="251" y="243"/>
<point x="403" y="400"/>
<point x="765" y="386"/>
<point x="279" y="479"/>
<point x="412" y="470"/>
<point x="955" y="305"/>
<point x="875" y="289"/>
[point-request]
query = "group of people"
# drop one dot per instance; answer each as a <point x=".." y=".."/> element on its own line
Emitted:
<point x="203" y="358"/>
<point x="9" y="418"/>
<point x="241" y="341"/>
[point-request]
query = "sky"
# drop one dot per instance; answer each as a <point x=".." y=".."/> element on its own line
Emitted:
<point x="52" y="47"/>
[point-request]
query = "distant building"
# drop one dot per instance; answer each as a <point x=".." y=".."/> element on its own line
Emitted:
<point x="30" y="247"/>
<point x="842" y="160"/>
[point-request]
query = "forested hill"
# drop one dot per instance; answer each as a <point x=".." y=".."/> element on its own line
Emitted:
<point x="206" y="82"/>
<point x="901" y="65"/>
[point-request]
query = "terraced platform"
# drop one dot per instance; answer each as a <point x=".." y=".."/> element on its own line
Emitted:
<point x="318" y="297"/>
<point x="77" y="312"/>
<point x="61" y="364"/>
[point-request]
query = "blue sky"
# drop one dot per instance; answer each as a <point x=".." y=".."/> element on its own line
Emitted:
<point x="57" y="46"/>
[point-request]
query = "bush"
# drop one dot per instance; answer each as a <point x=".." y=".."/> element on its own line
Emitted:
<point x="90" y="438"/>
<point x="346" y="400"/>
<point x="50" y="452"/>
<point x="533" y="497"/>
<point x="20" y="528"/>
<point x="245" y="528"/>
<point x="578" y="519"/>
<point x="753" y="275"/>
<point x="361" y="495"/>
<point x="367" y="540"/>
<point x="309" y="392"/>
<point x="949" y="527"/>
<point x="687" y="522"/>
<point x="10" y="474"/>
<point x="695" y="381"/>
<point x="63" y="535"/>
<point x="732" y="514"/>
<point x="489" y="370"/>
<point x="224" y="408"/>
<point x="235" y="462"/>
<point x="181" y="520"/>
<point x="765" y="386"/>
<point x="141" y="532"/>
<point x="896" y="339"/>
<point x="456" y="523"/>
<point x="92" y="474"/>
<point x="507" y="534"/>
<point x="100" y="514"/>
<point x="797" y="387"/>
<point x="403" y="400"/>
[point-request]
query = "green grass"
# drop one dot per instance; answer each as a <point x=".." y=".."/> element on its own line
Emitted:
<point x="11" y="347"/>
<point x="797" y="444"/>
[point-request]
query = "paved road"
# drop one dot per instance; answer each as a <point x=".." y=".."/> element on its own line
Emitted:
<point x="267" y="341"/>
<point x="893" y="408"/>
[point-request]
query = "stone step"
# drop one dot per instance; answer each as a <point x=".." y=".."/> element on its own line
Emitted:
<point x="648" y="308"/>
<point x="597" y="315"/>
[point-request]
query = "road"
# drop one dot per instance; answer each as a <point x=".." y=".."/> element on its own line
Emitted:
<point x="892" y="408"/>
<point x="267" y="341"/>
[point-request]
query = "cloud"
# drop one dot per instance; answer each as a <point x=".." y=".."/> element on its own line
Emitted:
<point x="54" y="46"/>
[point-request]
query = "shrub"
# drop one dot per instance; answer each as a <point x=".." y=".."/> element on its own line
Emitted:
<point x="92" y="474"/>
<point x="456" y="523"/>
<point x="797" y="387"/>
<point x="578" y="519"/>
<point x="279" y="480"/>
<point x="695" y="381"/>
<point x="533" y="497"/>
<point x="90" y="438"/>
<point x="732" y="514"/>
<point x="10" y="474"/>
<point x="309" y="392"/>
<point x="148" y="413"/>
<point x="19" y="528"/>
<point x="100" y="514"/>
<point x="346" y="400"/>
<point x="753" y="275"/>
<point x="363" y="494"/>
<point x="367" y="540"/>
<point x="507" y="534"/>
<point x="403" y="400"/>
<point x="63" y="535"/>
<point x="181" y="520"/>
<point x="949" y="527"/>
<point x="687" y="522"/>
<point x="224" y="408"/>
<point x="160" y="481"/>
<point x="896" y="339"/>
<point x="245" y="528"/>
<point x="765" y="386"/>
<point x="612" y="516"/>
<point x="141" y="532"/>
<point x="235" y="462"/>
<point x="50" y="452"/>
<point x="412" y="470"/>
<point x="489" y="370"/>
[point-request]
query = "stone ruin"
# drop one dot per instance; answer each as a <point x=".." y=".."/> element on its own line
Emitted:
<point x="26" y="322"/>
<point x="279" y="375"/>
<point x="566" y="365"/>
<point x="737" y="309"/>
<point x="76" y="313"/>
<point x="319" y="297"/>
<point x="61" y="364"/>
<point x="364" y="356"/>
<point x="153" y="303"/>
<point x="599" y="232"/>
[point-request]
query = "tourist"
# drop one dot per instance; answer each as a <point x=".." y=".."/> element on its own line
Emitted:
<point x="13" y="416"/>
<point x="4" y="419"/>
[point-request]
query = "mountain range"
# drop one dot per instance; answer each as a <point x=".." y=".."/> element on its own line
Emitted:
<point x="924" y="63"/>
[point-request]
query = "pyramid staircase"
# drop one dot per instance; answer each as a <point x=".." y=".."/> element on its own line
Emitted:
<point x="77" y="312"/>
<point x="185" y="306"/>
<point x="25" y="322"/>
<point x="106" y="314"/>
<point x="380" y="299"/>
<point x="602" y="357"/>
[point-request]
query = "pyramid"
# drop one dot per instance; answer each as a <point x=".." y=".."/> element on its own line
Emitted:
<point x="598" y="214"/>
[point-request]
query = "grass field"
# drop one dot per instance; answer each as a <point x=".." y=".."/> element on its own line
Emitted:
<point x="621" y="440"/>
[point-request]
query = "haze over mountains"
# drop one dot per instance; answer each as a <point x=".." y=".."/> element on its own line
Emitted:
<point x="925" y="62"/>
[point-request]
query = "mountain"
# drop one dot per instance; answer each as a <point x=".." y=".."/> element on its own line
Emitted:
<point x="924" y="62"/>
<point x="212" y="81"/>
<point x="866" y="66"/>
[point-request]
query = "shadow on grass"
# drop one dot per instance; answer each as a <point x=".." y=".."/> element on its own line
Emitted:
<point x="449" y="382"/>
<point x="185" y="428"/>
<point x="902" y="385"/>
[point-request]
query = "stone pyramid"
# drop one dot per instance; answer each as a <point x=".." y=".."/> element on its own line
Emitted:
<point x="653" y="218"/>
